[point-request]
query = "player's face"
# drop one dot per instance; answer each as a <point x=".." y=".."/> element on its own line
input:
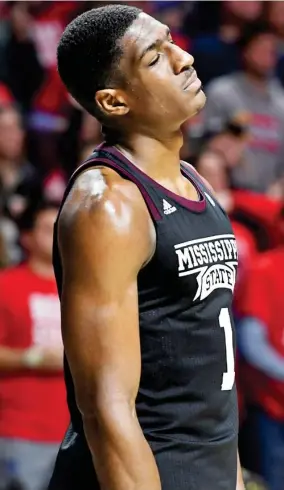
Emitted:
<point x="163" y="85"/>
<point x="161" y="88"/>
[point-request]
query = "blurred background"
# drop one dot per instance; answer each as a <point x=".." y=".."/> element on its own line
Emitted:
<point x="236" y="143"/>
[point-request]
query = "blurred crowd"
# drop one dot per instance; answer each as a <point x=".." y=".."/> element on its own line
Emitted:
<point x="236" y="143"/>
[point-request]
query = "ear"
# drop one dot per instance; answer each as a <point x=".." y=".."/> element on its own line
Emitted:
<point x="111" y="102"/>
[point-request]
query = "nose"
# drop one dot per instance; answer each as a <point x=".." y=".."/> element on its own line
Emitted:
<point x="183" y="61"/>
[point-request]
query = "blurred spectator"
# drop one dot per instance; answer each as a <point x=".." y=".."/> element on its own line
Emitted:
<point x="275" y="15"/>
<point x="19" y="180"/>
<point x="90" y="132"/>
<point x="14" y="170"/>
<point x="15" y="173"/>
<point x="51" y="105"/>
<point x="217" y="54"/>
<point x="254" y="98"/>
<point x="231" y="143"/>
<point x="10" y="252"/>
<point x="262" y="346"/>
<point x="235" y="14"/>
<point x="211" y="165"/>
<point x="231" y="140"/>
<point x="83" y="131"/>
<point x="6" y="98"/>
<point x="18" y="57"/>
<point x="3" y="250"/>
<point x="33" y="411"/>
<point x="247" y="250"/>
<point x="85" y="152"/>
<point x="54" y="185"/>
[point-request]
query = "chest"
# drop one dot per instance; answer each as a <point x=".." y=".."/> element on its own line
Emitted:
<point x="196" y="253"/>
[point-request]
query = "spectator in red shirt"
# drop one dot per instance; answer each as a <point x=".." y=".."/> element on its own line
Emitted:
<point x="33" y="411"/>
<point x="262" y="346"/>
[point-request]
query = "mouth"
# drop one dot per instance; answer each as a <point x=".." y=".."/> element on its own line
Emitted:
<point x="193" y="82"/>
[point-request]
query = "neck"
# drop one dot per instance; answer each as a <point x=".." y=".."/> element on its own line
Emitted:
<point x="158" y="158"/>
<point x="41" y="268"/>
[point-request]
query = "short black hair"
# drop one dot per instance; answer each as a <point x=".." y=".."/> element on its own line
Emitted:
<point x="28" y="217"/>
<point x="251" y="31"/>
<point x="88" y="51"/>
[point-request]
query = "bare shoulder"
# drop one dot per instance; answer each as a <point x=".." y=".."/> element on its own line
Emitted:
<point x="102" y="206"/>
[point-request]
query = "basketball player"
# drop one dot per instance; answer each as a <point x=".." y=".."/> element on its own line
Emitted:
<point x="145" y="261"/>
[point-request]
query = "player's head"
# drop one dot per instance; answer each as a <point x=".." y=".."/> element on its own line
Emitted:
<point x="121" y="66"/>
<point x="36" y="228"/>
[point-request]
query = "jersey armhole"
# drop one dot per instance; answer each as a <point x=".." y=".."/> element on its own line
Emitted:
<point x="106" y="162"/>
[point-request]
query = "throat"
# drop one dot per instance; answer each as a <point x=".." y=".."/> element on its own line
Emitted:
<point x="158" y="159"/>
<point x="170" y="177"/>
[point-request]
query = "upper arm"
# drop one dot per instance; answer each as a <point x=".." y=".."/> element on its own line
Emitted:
<point x="102" y="252"/>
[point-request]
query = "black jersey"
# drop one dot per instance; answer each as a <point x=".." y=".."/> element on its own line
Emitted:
<point x="186" y="404"/>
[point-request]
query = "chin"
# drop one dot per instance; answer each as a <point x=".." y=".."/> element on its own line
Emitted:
<point x="200" y="100"/>
<point x="197" y="104"/>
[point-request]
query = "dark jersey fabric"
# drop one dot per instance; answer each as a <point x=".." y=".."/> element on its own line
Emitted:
<point x="187" y="404"/>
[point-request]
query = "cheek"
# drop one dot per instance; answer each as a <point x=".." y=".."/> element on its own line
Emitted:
<point x="158" y="84"/>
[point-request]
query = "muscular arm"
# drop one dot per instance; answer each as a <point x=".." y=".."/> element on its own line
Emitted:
<point x="102" y="251"/>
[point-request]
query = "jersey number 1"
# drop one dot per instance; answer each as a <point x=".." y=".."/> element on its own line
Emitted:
<point x="229" y="375"/>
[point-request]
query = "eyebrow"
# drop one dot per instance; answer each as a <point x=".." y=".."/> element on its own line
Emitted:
<point x="154" y="44"/>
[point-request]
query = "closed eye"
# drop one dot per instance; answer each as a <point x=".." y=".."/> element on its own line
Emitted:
<point x="155" y="60"/>
<point x="171" y="41"/>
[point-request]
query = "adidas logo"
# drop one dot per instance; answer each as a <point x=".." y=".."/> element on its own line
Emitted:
<point x="168" y="208"/>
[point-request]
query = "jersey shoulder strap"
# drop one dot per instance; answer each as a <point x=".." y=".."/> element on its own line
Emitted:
<point x="206" y="188"/>
<point x="108" y="157"/>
